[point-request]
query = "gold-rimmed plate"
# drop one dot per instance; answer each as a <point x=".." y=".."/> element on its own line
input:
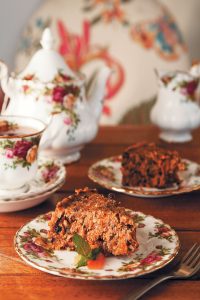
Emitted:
<point x="158" y="245"/>
<point x="107" y="173"/>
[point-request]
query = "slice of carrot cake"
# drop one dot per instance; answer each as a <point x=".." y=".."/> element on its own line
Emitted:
<point x="97" y="219"/>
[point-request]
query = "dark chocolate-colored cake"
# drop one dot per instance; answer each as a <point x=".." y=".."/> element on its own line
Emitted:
<point x="146" y="165"/>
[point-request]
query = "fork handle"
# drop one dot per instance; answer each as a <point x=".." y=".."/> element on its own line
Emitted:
<point x="136" y="294"/>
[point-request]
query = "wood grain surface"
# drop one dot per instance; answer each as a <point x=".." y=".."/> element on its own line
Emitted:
<point x="19" y="281"/>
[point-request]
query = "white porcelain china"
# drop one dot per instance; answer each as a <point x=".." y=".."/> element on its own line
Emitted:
<point x="18" y="152"/>
<point x="28" y="202"/>
<point x="49" y="178"/>
<point x="107" y="173"/>
<point x="158" y="245"/>
<point x="176" y="111"/>
<point x="48" y="90"/>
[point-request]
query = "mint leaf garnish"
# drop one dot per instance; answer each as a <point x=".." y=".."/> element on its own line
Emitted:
<point x="82" y="262"/>
<point x="84" y="250"/>
<point x="82" y="247"/>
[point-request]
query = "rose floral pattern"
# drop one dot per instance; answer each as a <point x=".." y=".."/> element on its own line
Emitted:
<point x="61" y="95"/>
<point x="152" y="258"/>
<point x="21" y="152"/>
<point x="162" y="232"/>
<point x="138" y="219"/>
<point x="44" y="218"/>
<point x="28" y="243"/>
<point x="186" y="88"/>
<point x="107" y="173"/>
<point x="153" y="253"/>
<point x="49" y="171"/>
<point x="50" y="176"/>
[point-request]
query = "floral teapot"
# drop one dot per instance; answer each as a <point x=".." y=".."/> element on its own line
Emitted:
<point x="49" y="90"/>
<point x="176" y="110"/>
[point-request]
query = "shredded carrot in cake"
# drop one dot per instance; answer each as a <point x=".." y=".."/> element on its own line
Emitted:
<point x="96" y="218"/>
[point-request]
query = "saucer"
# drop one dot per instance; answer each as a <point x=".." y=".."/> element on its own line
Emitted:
<point x="49" y="178"/>
<point x="12" y="206"/>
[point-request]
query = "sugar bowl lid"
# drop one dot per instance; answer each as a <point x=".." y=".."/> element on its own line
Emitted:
<point x="46" y="62"/>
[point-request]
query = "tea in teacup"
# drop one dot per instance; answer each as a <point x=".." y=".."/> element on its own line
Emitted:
<point x="13" y="129"/>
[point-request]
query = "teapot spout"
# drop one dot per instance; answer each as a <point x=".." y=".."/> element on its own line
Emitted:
<point x="96" y="91"/>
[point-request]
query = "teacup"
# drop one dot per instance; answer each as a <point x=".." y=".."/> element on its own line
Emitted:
<point x="19" y="142"/>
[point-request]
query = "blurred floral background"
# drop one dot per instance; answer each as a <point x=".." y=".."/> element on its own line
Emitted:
<point x="133" y="37"/>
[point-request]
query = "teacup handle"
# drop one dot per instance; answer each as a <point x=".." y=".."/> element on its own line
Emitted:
<point x="5" y="104"/>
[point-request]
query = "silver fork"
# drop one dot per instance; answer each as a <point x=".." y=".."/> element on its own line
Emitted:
<point x="188" y="266"/>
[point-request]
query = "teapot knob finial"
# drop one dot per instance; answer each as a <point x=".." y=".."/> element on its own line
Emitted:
<point x="47" y="40"/>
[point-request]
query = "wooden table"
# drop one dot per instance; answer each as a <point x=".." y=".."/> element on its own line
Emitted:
<point x="18" y="281"/>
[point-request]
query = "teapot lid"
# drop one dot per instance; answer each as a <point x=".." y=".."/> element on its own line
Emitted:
<point x="46" y="62"/>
